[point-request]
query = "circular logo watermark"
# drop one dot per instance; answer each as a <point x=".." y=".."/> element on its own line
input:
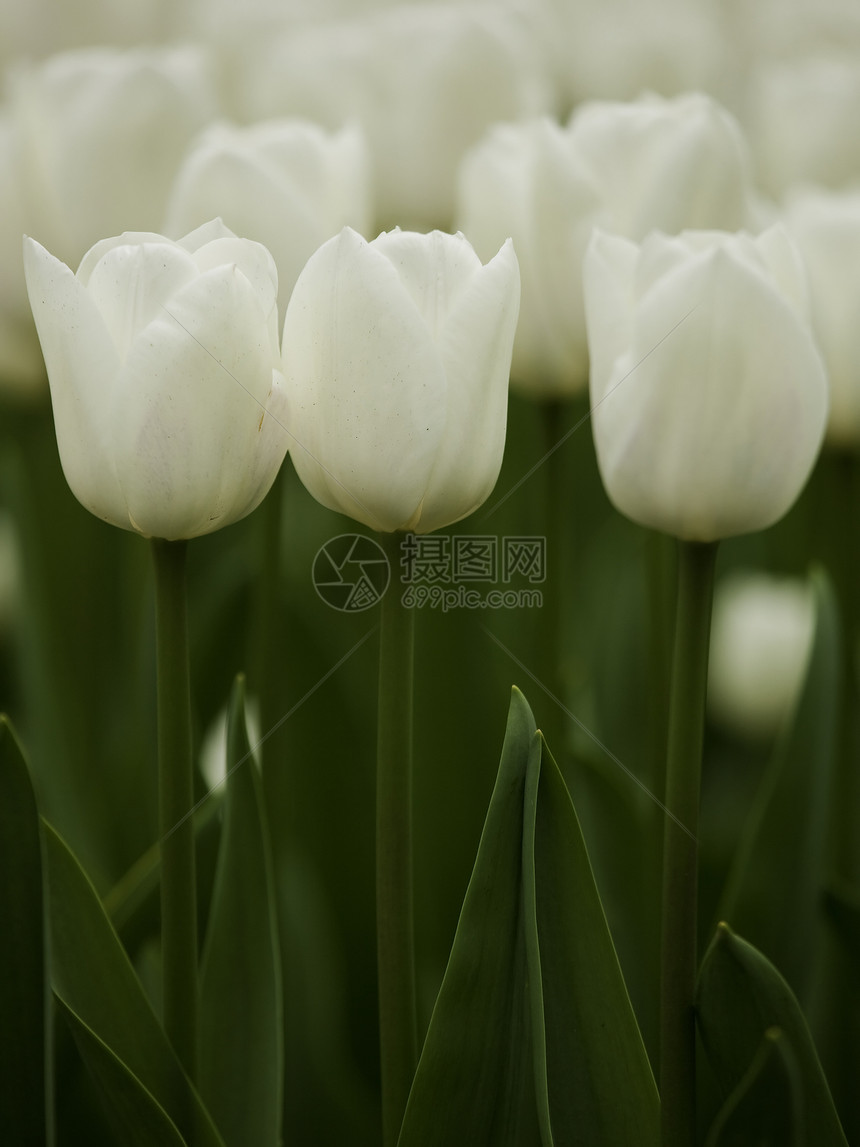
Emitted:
<point x="350" y="573"/>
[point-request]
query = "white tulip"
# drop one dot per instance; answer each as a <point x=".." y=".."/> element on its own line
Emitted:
<point x="90" y="142"/>
<point x="424" y="80"/>
<point x="826" y="228"/>
<point x="672" y="164"/>
<point x="289" y="184"/>
<point x="761" y="639"/>
<point x="397" y="355"/>
<point x="163" y="362"/>
<point x="709" y="395"/>
<point x="526" y="181"/>
<point x="665" y="164"/>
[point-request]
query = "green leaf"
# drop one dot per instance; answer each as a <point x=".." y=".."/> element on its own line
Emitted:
<point x="136" y="1116"/>
<point x="241" y="1012"/>
<point x="740" y="997"/>
<point x="601" y="1089"/>
<point x="24" y="1063"/>
<point x="93" y="977"/>
<point x="764" y="1109"/>
<point x="475" y="1078"/>
<point x="785" y="841"/>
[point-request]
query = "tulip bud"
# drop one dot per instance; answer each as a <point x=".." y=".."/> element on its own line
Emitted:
<point x="826" y="228"/>
<point x="665" y="164"/>
<point x="288" y="184"/>
<point x="708" y="393"/>
<point x="760" y="644"/>
<point x="424" y="80"/>
<point x="396" y="356"/>
<point x="89" y="145"/>
<point x="526" y="181"/>
<point x="163" y="361"/>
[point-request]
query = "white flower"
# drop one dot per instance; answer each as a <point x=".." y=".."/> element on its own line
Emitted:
<point x="665" y="164"/>
<point x="289" y="184"/>
<point x="526" y="181"/>
<point x="826" y="227"/>
<point x="424" y="81"/>
<point x="761" y="639"/>
<point x="90" y="142"/>
<point x="163" y="361"/>
<point x="397" y="355"/>
<point x="709" y="395"/>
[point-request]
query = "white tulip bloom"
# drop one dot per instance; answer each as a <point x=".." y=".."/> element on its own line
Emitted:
<point x="425" y="81"/>
<point x="163" y="362"/>
<point x="761" y="638"/>
<point x="670" y="165"/>
<point x="526" y="181"/>
<point x="288" y="184"/>
<point x="90" y="142"/>
<point x="708" y="392"/>
<point x="396" y="355"/>
<point x="826" y="227"/>
<point x="631" y="168"/>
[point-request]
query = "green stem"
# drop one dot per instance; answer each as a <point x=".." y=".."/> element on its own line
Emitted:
<point x="557" y="509"/>
<point x="680" y="846"/>
<point x="398" y="1027"/>
<point x="176" y="799"/>
<point x="270" y="664"/>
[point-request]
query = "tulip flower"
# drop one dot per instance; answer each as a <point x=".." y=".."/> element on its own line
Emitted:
<point x="526" y="180"/>
<point x="90" y="142"/>
<point x="628" y="167"/>
<point x="665" y="164"/>
<point x="396" y="355"/>
<point x="762" y="637"/>
<point x="709" y="394"/>
<point x="826" y="227"/>
<point x="163" y="362"/>
<point x="425" y="81"/>
<point x="288" y="184"/>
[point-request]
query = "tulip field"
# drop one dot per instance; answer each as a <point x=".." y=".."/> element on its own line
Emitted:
<point x="429" y="616"/>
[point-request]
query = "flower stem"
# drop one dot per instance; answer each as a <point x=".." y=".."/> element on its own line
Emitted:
<point x="557" y="524"/>
<point x="175" y="785"/>
<point x="394" y="912"/>
<point x="680" y="846"/>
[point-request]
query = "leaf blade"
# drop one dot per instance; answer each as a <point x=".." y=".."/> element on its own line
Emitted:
<point x="242" y="1055"/>
<point x="740" y="997"/>
<point x="474" y="1082"/>
<point x="25" y="1080"/>
<point x="600" y="1085"/>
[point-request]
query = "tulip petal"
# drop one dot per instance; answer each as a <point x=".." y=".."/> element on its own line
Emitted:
<point x="366" y="386"/>
<point x="131" y="282"/>
<point x="191" y="410"/>
<point x="475" y="346"/>
<point x="82" y="361"/>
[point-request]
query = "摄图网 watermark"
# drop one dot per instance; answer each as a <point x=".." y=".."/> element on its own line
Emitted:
<point x="437" y="571"/>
